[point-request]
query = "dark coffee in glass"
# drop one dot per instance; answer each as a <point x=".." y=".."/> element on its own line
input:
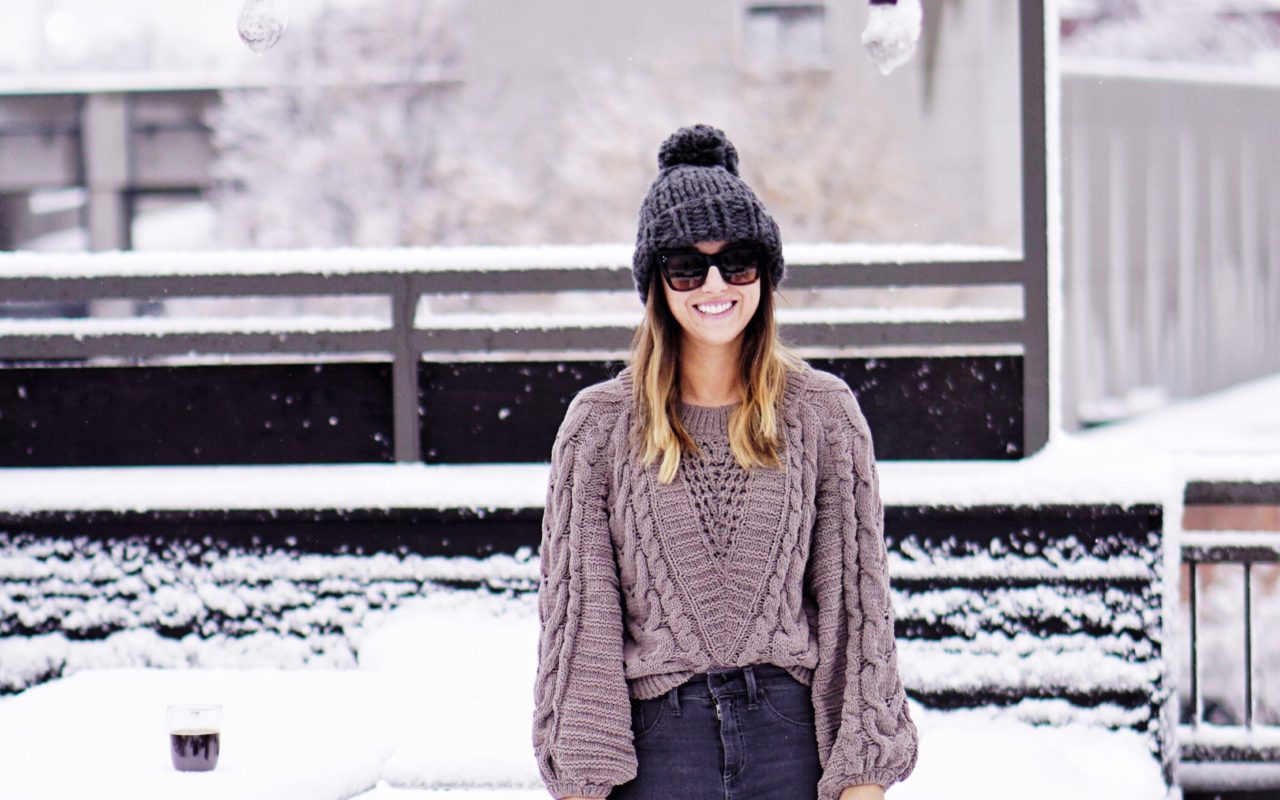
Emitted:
<point x="194" y="750"/>
<point x="195" y="736"/>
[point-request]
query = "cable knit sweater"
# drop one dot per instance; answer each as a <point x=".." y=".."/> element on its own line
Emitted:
<point x="644" y="585"/>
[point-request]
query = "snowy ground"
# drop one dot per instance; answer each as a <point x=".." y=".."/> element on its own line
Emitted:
<point x="442" y="693"/>
<point x="443" y="699"/>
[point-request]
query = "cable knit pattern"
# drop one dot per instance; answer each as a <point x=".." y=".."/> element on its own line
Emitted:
<point x="645" y="584"/>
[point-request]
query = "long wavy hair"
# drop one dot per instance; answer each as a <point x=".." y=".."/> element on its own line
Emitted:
<point x="755" y="423"/>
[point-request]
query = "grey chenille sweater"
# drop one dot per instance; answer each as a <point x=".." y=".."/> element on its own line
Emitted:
<point x="644" y="585"/>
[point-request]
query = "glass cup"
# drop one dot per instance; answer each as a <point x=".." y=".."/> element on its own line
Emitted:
<point x="195" y="733"/>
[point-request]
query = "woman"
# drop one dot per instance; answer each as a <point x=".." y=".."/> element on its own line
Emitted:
<point x="714" y="601"/>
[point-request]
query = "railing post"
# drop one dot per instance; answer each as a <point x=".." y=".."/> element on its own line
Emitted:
<point x="1195" y="667"/>
<point x="1035" y="241"/>
<point x="404" y="372"/>
<point x="1248" y="648"/>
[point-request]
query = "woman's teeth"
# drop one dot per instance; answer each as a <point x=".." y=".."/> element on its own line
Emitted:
<point x="714" y="309"/>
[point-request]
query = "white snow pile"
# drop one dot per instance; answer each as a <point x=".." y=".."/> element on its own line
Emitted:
<point x="443" y="698"/>
<point x="106" y="601"/>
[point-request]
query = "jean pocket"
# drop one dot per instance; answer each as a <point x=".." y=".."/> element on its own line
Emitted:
<point x="791" y="704"/>
<point x="647" y="715"/>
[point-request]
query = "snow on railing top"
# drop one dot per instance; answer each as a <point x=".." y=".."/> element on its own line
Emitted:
<point x="332" y="261"/>
<point x="82" y="327"/>
<point x="1205" y="733"/>
<point x="1231" y="546"/>
<point x="1209" y="74"/>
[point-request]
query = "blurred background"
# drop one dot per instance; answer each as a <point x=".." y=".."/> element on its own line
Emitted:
<point x="383" y="123"/>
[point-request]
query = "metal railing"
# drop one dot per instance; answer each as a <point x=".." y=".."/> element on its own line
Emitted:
<point x="1224" y="757"/>
<point x="403" y="277"/>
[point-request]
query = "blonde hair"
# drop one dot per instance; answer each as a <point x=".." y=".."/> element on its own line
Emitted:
<point x="754" y="424"/>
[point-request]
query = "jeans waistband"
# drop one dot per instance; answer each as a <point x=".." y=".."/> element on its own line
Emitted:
<point x="718" y="683"/>
<point x="733" y="679"/>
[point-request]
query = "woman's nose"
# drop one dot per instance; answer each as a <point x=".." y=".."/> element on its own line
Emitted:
<point x="715" y="282"/>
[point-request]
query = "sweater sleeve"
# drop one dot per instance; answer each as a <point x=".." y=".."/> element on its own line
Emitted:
<point x="864" y="727"/>
<point x="582" y="713"/>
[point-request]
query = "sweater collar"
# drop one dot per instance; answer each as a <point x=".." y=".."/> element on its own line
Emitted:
<point x="713" y="419"/>
<point x="709" y="420"/>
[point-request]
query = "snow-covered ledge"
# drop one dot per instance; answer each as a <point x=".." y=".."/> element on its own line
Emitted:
<point x="1067" y="471"/>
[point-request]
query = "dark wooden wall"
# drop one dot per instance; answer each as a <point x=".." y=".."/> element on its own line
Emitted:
<point x="966" y="407"/>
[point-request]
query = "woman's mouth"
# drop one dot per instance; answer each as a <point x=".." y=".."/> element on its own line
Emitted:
<point x="713" y="310"/>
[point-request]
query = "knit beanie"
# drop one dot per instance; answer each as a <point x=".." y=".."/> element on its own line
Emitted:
<point x="698" y="197"/>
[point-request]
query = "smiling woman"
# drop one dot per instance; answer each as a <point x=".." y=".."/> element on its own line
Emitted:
<point x="714" y="600"/>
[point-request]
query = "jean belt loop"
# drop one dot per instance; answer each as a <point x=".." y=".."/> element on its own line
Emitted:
<point x="674" y="700"/>
<point x="750" y="672"/>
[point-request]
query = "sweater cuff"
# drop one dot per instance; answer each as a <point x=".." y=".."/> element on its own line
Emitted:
<point x="566" y="788"/>
<point x="831" y="789"/>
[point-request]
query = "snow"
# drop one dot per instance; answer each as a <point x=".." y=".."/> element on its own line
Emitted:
<point x="962" y="567"/>
<point x="1020" y="664"/>
<point x="1104" y="68"/>
<point x="439" y="701"/>
<point x="1229" y="735"/>
<point x="1262" y="777"/>
<point x="384" y="791"/>
<point x="82" y="327"/>
<point x="981" y="755"/>
<point x="313" y="486"/>
<point x="340" y="260"/>
<point x="1239" y="423"/>
<point x="891" y="33"/>
<point x="296" y="734"/>
<point x="261" y="23"/>
<point x="1063" y="472"/>
<point x="1223" y="538"/>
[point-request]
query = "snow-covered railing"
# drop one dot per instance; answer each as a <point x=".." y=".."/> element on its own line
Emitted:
<point x="1217" y="756"/>
<point x="407" y="332"/>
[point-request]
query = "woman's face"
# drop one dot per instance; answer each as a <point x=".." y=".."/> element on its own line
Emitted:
<point x="700" y="312"/>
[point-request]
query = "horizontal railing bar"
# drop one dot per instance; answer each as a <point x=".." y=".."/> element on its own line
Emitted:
<point x="293" y="285"/>
<point x="142" y="345"/>
<point x="1230" y="546"/>
<point x="560" y="336"/>
<point x="807" y="335"/>
<point x="1232" y="493"/>
<point x="452" y="281"/>
<point x="933" y="273"/>
<point x="1209" y="774"/>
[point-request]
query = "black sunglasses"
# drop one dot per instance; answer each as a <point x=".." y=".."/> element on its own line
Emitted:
<point x="686" y="269"/>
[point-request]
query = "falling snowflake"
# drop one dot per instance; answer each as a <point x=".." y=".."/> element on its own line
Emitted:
<point x="261" y="23"/>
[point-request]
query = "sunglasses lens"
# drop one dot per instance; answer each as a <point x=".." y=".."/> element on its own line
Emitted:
<point x="685" y="271"/>
<point x="740" y="265"/>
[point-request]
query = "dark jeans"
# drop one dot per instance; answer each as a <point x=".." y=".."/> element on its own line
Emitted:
<point x="761" y="744"/>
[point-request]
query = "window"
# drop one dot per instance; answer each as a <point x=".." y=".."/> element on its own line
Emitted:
<point x="784" y="37"/>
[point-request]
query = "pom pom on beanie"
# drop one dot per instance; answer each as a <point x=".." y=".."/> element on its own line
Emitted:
<point x="698" y="146"/>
